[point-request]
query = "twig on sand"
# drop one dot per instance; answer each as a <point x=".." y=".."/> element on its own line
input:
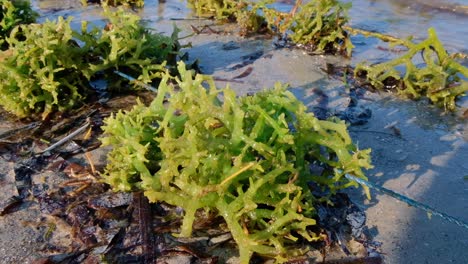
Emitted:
<point x="12" y="132"/>
<point x="67" y="138"/>
<point x="137" y="82"/>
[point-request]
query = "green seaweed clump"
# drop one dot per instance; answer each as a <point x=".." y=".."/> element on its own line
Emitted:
<point x="49" y="68"/>
<point x="13" y="13"/>
<point x="42" y="72"/>
<point x="439" y="77"/>
<point x="316" y="24"/>
<point x="246" y="158"/>
<point x="125" y="44"/>
<point x="243" y="12"/>
<point x="221" y="9"/>
<point x="320" y="23"/>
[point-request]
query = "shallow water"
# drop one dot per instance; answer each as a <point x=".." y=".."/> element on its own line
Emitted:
<point x="413" y="18"/>
<point x="396" y="17"/>
<point x="405" y="18"/>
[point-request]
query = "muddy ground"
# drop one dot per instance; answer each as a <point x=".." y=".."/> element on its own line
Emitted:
<point x="417" y="150"/>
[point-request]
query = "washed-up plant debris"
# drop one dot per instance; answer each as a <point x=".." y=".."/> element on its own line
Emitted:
<point x="439" y="78"/>
<point x="80" y="220"/>
<point x="13" y="13"/>
<point x="125" y="44"/>
<point x="248" y="159"/>
<point x="44" y="70"/>
<point x="50" y="66"/>
<point x="318" y="25"/>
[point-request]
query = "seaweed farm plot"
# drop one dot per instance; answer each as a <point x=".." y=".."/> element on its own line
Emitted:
<point x="226" y="132"/>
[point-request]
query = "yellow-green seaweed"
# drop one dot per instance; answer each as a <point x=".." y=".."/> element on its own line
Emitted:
<point x="42" y="71"/>
<point x="48" y="66"/>
<point x="317" y="24"/>
<point x="439" y="79"/>
<point x="13" y="13"/>
<point x="246" y="158"/>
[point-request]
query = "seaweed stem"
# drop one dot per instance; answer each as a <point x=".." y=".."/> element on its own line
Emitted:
<point x="235" y="174"/>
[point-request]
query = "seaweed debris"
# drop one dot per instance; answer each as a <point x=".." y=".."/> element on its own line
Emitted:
<point x="320" y="27"/>
<point x="13" y="13"/>
<point x="316" y="25"/>
<point x="50" y="66"/>
<point x="439" y="78"/>
<point x="247" y="159"/>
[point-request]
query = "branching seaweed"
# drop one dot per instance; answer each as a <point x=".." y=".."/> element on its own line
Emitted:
<point x="244" y="12"/>
<point x="127" y="45"/>
<point x="42" y="72"/>
<point x="13" y="13"/>
<point x="440" y="78"/>
<point x="321" y="23"/>
<point x="48" y="66"/>
<point x="248" y="159"/>
<point x="317" y="24"/>
<point x="221" y="9"/>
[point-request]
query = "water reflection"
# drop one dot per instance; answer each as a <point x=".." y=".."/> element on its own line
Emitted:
<point x="404" y="18"/>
